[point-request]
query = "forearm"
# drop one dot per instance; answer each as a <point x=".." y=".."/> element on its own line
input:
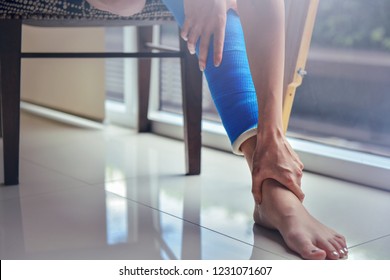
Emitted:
<point x="264" y="27"/>
<point x="273" y="158"/>
<point x="119" y="7"/>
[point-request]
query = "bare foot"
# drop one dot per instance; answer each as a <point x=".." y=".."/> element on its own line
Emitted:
<point x="282" y="210"/>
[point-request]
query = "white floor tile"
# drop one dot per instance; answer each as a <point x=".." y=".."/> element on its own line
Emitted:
<point x="375" y="250"/>
<point x="115" y="194"/>
<point x="360" y="213"/>
<point x="35" y="179"/>
<point x="99" y="156"/>
<point x="89" y="223"/>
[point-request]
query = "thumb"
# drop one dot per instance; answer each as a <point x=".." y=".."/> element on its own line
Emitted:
<point x="257" y="184"/>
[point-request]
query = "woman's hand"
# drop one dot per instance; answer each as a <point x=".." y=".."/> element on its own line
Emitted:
<point x="275" y="159"/>
<point x="204" y="19"/>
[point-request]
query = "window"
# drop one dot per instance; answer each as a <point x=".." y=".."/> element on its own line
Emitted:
<point x="340" y="123"/>
<point x="115" y="67"/>
<point x="121" y="77"/>
<point x="345" y="99"/>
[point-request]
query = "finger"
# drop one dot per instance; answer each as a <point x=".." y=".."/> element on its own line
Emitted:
<point x="293" y="184"/>
<point x="191" y="48"/>
<point x="297" y="159"/>
<point x="185" y="30"/>
<point x="256" y="189"/>
<point x="299" y="174"/>
<point x="296" y="189"/>
<point x="192" y="40"/>
<point x="219" y="40"/>
<point x="203" y="51"/>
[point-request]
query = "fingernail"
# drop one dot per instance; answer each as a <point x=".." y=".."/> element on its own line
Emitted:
<point x="201" y="67"/>
<point x="346" y="250"/>
<point x="192" y="51"/>
<point x="342" y="252"/>
<point x="334" y="253"/>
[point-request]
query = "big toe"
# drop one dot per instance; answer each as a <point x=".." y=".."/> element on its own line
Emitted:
<point x="311" y="252"/>
<point x="305" y="247"/>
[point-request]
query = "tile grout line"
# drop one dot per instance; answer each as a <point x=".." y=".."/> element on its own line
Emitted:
<point x="185" y="220"/>
<point x="369" y="241"/>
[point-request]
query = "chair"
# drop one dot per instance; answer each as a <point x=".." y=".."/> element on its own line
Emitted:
<point x="300" y="17"/>
<point x="71" y="13"/>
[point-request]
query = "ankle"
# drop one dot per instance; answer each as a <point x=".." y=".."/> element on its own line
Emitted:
<point x="278" y="199"/>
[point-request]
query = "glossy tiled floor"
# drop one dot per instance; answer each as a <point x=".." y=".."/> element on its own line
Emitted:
<point x="115" y="194"/>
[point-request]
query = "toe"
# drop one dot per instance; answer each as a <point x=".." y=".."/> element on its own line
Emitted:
<point x="313" y="253"/>
<point x="332" y="252"/>
<point x="307" y="249"/>
<point x="339" y="247"/>
<point x="343" y="246"/>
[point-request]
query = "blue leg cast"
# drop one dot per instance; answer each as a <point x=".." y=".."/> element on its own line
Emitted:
<point x="230" y="84"/>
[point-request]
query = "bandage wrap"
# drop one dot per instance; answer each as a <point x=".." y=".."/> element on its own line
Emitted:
<point x="230" y="84"/>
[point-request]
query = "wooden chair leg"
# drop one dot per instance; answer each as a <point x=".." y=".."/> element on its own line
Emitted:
<point x="10" y="50"/>
<point x="1" y="114"/>
<point x="192" y="109"/>
<point x="145" y="34"/>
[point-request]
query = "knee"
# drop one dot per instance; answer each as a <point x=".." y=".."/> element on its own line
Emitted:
<point x="119" y="7"/>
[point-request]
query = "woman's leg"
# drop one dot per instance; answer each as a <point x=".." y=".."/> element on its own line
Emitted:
<point x="235" y="97"/>
<point x="283" y="211"/>
<point x="280" y="208"/>
<point x="120" y="7"/>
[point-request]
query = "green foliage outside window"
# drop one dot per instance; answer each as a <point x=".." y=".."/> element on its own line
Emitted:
<point x="360" y="24"/>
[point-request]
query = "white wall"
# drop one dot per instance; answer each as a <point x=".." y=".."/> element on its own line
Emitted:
<point x="75" y="86"/>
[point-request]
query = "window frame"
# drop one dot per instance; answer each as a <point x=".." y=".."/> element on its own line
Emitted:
<point x="353" y="166"/>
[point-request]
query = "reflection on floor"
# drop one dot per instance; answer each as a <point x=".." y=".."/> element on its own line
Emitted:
<point x="115" y="194"/>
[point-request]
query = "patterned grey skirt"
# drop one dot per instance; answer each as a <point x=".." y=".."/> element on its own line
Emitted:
<point x="73" y="10"/>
